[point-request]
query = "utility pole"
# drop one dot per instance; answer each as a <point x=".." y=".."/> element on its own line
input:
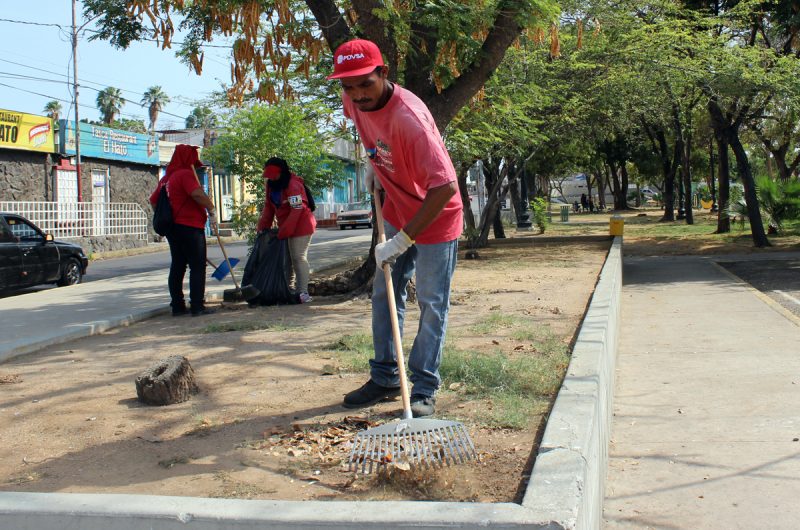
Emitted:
<point x="75" y="90"/>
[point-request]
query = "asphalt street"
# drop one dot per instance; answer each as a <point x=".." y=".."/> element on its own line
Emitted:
<point x="328" y="247"/>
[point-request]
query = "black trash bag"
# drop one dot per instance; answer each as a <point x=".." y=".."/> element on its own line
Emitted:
<point x="267" y="270"/>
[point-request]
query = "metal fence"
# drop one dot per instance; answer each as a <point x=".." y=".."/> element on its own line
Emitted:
<point x="82" y="219"/>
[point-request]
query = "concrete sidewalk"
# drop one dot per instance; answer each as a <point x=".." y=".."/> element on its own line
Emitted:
<point x="707" y="407"/>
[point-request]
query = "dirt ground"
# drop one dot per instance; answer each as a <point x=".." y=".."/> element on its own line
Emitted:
<point x="267" y="422"/>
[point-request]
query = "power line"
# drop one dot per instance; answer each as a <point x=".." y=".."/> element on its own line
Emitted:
<point x="22" y="76"/>
<point x="82" y="105"/>
<point x="59" y="26"/>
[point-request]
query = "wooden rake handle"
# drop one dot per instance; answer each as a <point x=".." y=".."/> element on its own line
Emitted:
<point x="398" y="342"/>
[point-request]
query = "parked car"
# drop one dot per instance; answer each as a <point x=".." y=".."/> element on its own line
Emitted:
<point x="30" y="257"/>
<point x="355" y="214"/>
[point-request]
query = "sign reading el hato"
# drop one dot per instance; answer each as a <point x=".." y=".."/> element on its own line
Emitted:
<point x="107" y="143"/>
<point x="26" y="131"/>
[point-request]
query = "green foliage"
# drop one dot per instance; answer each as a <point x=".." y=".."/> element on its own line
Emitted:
<point x="201" y="118"/>
<point x="779" y="201"/>
<point x="539" y="209"/>
<point x="255" y="134"/>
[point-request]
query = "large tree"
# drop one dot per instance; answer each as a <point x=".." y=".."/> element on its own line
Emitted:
<point x="201" y="117"/>
<point x="443" y="51"/>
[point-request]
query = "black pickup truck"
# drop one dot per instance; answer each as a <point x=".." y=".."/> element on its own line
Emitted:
<point x="30" y="257"/>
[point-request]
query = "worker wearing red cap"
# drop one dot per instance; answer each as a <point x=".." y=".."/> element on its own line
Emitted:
<point x="423" y="220"/>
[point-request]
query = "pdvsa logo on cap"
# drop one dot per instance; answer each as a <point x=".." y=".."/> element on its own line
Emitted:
<point x="343" y="58"/>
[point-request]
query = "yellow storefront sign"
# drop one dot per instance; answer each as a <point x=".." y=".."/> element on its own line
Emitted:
<point x="26" y="131"/>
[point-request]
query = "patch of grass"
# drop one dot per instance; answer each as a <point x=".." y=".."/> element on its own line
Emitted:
<point x="541" y="336"/>
<point x="494" y="322"/>
<point x="246" y="325"/>
<point x="516" y="386"/>
<point x="354" y="351"/>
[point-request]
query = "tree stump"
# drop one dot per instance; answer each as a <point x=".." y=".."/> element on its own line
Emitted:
<point x="168" y="381"/>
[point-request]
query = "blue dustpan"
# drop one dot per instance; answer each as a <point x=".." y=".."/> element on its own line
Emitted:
<point x="223" y="270"/>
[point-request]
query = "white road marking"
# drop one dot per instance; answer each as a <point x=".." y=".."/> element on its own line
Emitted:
<point x="788" y="297"/>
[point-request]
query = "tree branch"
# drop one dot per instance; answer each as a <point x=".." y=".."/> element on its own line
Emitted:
<point x="331" y="22"/>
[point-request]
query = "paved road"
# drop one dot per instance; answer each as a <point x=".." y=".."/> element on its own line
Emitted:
<point x="778" y="279"/>
<point x="328" y="246"/>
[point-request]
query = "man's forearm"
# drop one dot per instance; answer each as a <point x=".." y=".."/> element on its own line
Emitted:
<point x="433" y="204"/>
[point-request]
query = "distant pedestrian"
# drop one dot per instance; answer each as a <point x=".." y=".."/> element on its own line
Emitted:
<point x="191" y="207"/>
<point x="287" y="200"/>
<point x="584" y="202"/>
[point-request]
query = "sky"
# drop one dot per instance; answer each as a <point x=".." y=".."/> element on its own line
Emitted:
<point x="45" y="52"/>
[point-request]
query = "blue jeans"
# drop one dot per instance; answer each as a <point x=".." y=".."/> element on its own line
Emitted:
<point x="434" y="265"/>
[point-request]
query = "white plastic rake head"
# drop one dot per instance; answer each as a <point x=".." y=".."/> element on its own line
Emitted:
<point x="425" y="442"/>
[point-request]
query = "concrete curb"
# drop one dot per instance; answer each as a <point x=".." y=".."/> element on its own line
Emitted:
<point x="566" y="489"/>
<point x="567" y="485"/>
<point x="83" y="330"/>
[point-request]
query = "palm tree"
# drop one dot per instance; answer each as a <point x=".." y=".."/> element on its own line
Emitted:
<point x="53" y="109"/>
<point x="154" y="99"/>
<point x="109" y="103"/>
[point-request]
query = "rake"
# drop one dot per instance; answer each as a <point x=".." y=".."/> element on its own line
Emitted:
<point x="422" y="442"/>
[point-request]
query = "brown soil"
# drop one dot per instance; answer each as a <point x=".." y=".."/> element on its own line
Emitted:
<point x="267" y="422"/>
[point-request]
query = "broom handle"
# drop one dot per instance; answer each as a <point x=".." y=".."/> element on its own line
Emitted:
<point x="398" y="342"/>
<point x="222" y="247"/>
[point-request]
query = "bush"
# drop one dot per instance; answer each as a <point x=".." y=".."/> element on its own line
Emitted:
<point x="539" y="209"/>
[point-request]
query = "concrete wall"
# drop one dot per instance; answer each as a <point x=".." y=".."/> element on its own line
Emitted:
<point x="565" y="491"/>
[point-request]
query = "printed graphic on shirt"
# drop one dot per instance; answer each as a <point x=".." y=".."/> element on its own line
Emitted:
<point x="371" y="152"/>
<point x="383" y="156"/>
<point x="296" y="201"/>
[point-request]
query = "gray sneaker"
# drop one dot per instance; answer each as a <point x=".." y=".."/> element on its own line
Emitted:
<point x="422" y="405"/>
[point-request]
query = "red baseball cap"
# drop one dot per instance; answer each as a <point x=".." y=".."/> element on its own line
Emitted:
<point x="354" y="58"/>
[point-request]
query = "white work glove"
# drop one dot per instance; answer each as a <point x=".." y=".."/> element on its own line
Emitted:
<point x="389" y="251"/>
<point x="370" y="180"/>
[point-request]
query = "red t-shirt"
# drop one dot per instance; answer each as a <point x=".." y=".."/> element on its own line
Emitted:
<point x="409" y="158"/>
<point x="294" y="217"/>
<point x="185" y="211"/>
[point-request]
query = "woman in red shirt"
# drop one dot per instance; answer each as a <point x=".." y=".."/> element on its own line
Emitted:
<point x="286" y="199"/>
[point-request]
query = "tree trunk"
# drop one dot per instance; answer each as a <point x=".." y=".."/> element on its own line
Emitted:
<point x="751" y="198"/>
<point x="168" y="381"/>
<point x="687" y="178"/>
<point x="724" y="172"/>
<point x="469" y="217"/>
<point x="623" y="195"/>
<point x="669" y="166"/>
<point x="490" y="210"/>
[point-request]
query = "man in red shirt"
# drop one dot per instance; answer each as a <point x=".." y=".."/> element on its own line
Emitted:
<point x="187" y="239"/>
<point x="423" y="219"/>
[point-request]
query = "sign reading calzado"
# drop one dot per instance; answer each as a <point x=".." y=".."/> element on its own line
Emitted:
<point x="104" y="142"/>
<point x="26" y="131"/>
